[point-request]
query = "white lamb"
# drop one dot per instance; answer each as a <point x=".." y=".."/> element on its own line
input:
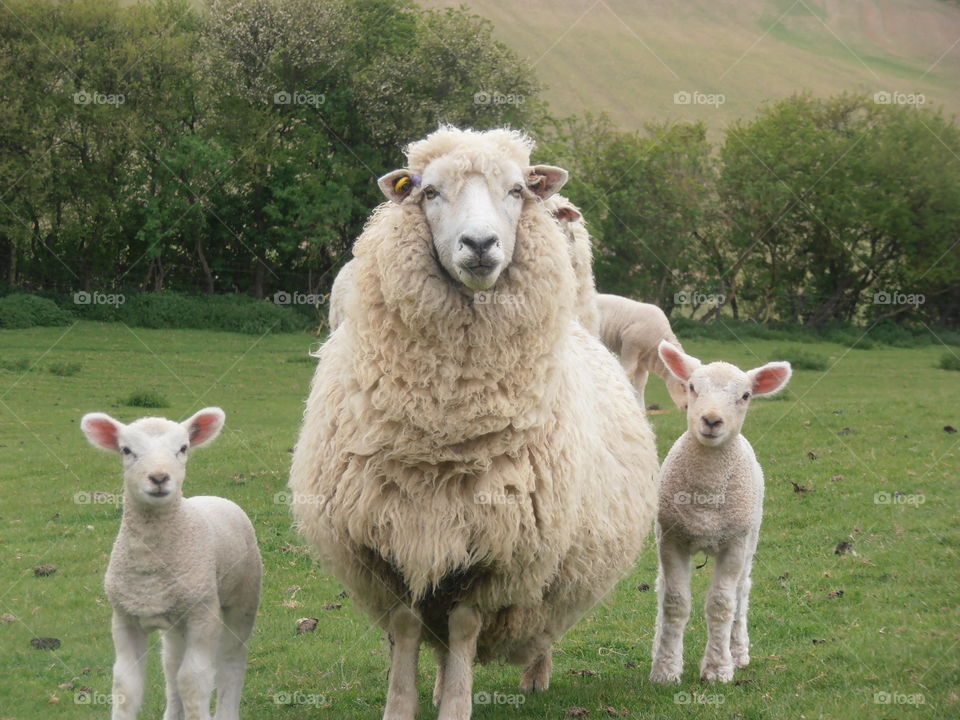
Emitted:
<point x="472" y="462"/>
<point x="581" y="256"/>
<point x="189" y="567"/>
<point x="633" y="331"/>
<point x="711" y="500"/>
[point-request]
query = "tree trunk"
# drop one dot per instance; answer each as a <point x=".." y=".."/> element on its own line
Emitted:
<point x="207" y="274"/>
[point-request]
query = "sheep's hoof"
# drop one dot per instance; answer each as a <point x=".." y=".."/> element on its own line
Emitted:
<point x="741" y="659"/>
<point x="717" y="673"/>
<point x="664" y="675"/>
<point x="536" y="676"/>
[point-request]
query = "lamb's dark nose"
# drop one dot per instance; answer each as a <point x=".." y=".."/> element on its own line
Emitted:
<point x="159" y="479"/>
<point x="478" y="245"/>
<point x="713" y="424"/>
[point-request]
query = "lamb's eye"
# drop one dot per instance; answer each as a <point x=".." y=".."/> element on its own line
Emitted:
<point x="183" y="448"/>
<point x="692" y="389"/>
<point x="746" y="396"/>
<point x="430" y="192"/>
<point x="126" y="451"/>
<point x="516" y="191"/>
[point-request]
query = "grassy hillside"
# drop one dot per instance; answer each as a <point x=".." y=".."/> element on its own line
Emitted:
<point x="630" y="58"/>
<point x="854" y="435"/>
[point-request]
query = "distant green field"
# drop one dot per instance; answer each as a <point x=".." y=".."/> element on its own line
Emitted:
<point x="869" y="426"/>
<point x="629" y="59"/>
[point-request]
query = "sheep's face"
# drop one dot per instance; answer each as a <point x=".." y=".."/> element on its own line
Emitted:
<point x="473" y="215"/>
<point x="153" y="450"/>
<point x="718" y="394"/>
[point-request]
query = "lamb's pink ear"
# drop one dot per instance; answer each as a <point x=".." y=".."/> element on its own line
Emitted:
<point x="101" y="430"/>
<point x="397" y="185"/>
<point x="678" y="362"/>
<point x="204" y="426"/>
<point x="545" y="180"/>
<point x="567" y="212"/>
<point x="770" y="378"/>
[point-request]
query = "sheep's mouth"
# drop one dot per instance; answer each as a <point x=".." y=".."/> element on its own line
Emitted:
<point x="158" y="493"/>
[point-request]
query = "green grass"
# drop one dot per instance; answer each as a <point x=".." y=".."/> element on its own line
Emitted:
<point x="949" y="361"/>
<point x="145" y="399"/>
<point x="895" y="628"/>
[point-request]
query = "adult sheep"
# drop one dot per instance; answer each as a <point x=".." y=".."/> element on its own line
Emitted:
<point x="472" y="463"/>
<point x="581" y="256"/>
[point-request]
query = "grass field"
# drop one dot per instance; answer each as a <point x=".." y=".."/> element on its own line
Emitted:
<point x="868" y="427"/>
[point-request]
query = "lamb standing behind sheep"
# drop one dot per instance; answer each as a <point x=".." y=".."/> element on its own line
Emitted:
<point x="633" y="330"/>
<point x="339" y="295"/>
<point x="581" y="256"/>
<point x="189" y="567"/>
<point x="711" y="500"/>
<point x="472" y="463"/>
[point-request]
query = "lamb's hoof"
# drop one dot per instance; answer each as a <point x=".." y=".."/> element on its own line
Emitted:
<point x="741" y="660"/>
<point x="664" y="675"/>
<point x="717" y="673"/>
<point x="536" y="677"/>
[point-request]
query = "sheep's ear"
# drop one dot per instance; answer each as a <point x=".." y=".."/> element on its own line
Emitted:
<point x="567" y="212"/>
<point x="678" y="362"/>
<point x="204" y="426"/>
<point x="770" y="378"/>
<point x="397" y="185"/>
<point x="101" y="430"/>
<point x="545" y="180"/>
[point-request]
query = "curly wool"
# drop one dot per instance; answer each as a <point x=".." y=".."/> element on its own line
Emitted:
<point x="450" y="453"/>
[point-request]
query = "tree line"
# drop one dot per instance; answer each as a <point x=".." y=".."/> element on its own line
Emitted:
<point x="233" y="147"/>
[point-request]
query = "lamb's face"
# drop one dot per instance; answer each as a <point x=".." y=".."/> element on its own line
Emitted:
<point x="473" y="219"/>
<point x="718" y="394"/>
<point x="153" y="450"/>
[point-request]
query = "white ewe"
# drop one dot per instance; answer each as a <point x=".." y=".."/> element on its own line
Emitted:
<point x="187" y="566"/>
<point x="633" y="330"/>
<point x="474" y="466"/>
<point x="581" y="255"/>
<point x="711" y="500"/>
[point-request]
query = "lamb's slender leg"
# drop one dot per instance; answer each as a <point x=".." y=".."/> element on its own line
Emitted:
<point x="232" y="660"/>
<point x="173" y="647"/>
<point x="673" y="611"/>
<point x="457" y="702"/>
<point x="405" y="628"/>
<point x="197" y="671"/>
<point x="438" y="683"/>
<point x="129" y="668"/>
<point x="717" y="664"/>
<point x="739" y="640"/>
<point x="536" y="676"/>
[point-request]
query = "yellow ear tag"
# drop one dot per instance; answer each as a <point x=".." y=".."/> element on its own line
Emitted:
<point x="402" y="185"/>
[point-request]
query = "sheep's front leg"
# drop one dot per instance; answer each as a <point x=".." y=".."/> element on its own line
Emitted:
<point x="721" y="606"/>
<point x="129" y="668"/>
<point x="405" y="628"/>
<point x="195" y="677"/>
<point x="739" y="640"/>
<point x="673" y="611"/>
<point x="536" y="676"/>
<point x="464" y="629"/>
<point x="173" y="648"/>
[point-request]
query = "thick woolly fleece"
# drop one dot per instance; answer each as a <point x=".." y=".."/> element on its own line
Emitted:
<point x="482" y="453"/>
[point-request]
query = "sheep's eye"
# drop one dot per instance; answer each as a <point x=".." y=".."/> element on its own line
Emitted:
<point x="517" y="191"/>
<point x="126" y="451"/>
<point x="746" y="396"/>
<point x="430" y="192"/>
<point x="183" y="448"/>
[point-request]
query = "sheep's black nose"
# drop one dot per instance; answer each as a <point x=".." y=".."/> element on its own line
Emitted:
<point x="478" y="245"/>
<point x="159" y="479"/>
<point x="712" y="424"/>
